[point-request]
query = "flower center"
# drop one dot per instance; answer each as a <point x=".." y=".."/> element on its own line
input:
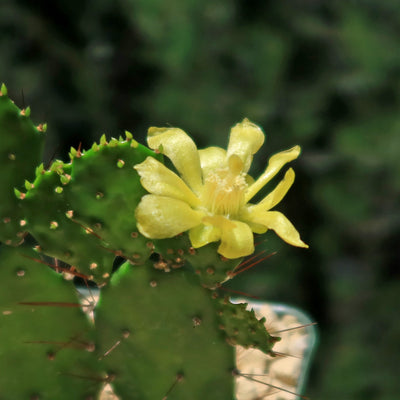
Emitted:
<point x="224" y="189"/>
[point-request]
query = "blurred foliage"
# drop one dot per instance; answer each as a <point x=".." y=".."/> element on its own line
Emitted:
<point x="325" y="75"/>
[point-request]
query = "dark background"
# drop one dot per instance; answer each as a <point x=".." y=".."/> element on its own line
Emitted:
<point x="321" y="74"/>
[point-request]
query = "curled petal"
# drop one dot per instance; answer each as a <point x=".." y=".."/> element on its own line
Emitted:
<point x="236" y="237"/>
<point x="212" y="158"/>
<point x="160" y="217"/>
<point x="278" y="193"/>
<point x="157" y="179"/>
<point x="235" y="164"/>
<point x="276" y="162"/>
<point x="181" y="150"/>
<point x="203" y="234"/>
<point x="245" y="139"/>
<point x="280" y="224"/>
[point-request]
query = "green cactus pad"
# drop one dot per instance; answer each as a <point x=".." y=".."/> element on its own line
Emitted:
<point x="46" y="341"/>
<point x="20" y="152"/>
<point x="83" y="213"/>
<point x="173" y="252"/>
<point x="49" y="218"/>
<point x="211" y="267"/>
<point x="159" y="337"/>
<point x="242" y="326"/>
<point x="104" y="192"/>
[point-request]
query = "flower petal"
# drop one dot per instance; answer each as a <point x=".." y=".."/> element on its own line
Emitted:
<point x="280" y="224"/>
<point x="156" y="178"/>
<point x="203" y="234"/>
<point x="181" y="150"/>
<point x="236" y="237"/>
<point x="278" y="193"/>
<point x="276" y="162"/>
<point x="212" y="158"/>
<point x="257" y="228"/>
<point x="245" y="139"/>
<point x="160" y="217"/>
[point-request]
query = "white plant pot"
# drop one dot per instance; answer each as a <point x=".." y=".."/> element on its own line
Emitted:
<point x="282" y="377"/>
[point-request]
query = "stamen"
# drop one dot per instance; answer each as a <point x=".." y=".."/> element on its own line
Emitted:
<point x="223" y="192"/>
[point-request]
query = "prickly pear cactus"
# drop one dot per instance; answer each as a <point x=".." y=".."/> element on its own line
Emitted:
<point x="47" y="342"/>
<point x="20" y="152"/>
<point x="162" y="328"/>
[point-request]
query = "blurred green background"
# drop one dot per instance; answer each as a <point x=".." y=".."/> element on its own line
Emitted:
<point x="322" y="74"/>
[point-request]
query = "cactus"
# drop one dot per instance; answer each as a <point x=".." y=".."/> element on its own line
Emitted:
<point x="162" y="327"/>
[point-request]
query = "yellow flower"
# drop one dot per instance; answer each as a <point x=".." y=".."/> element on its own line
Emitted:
<point x="211" y="198"/>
